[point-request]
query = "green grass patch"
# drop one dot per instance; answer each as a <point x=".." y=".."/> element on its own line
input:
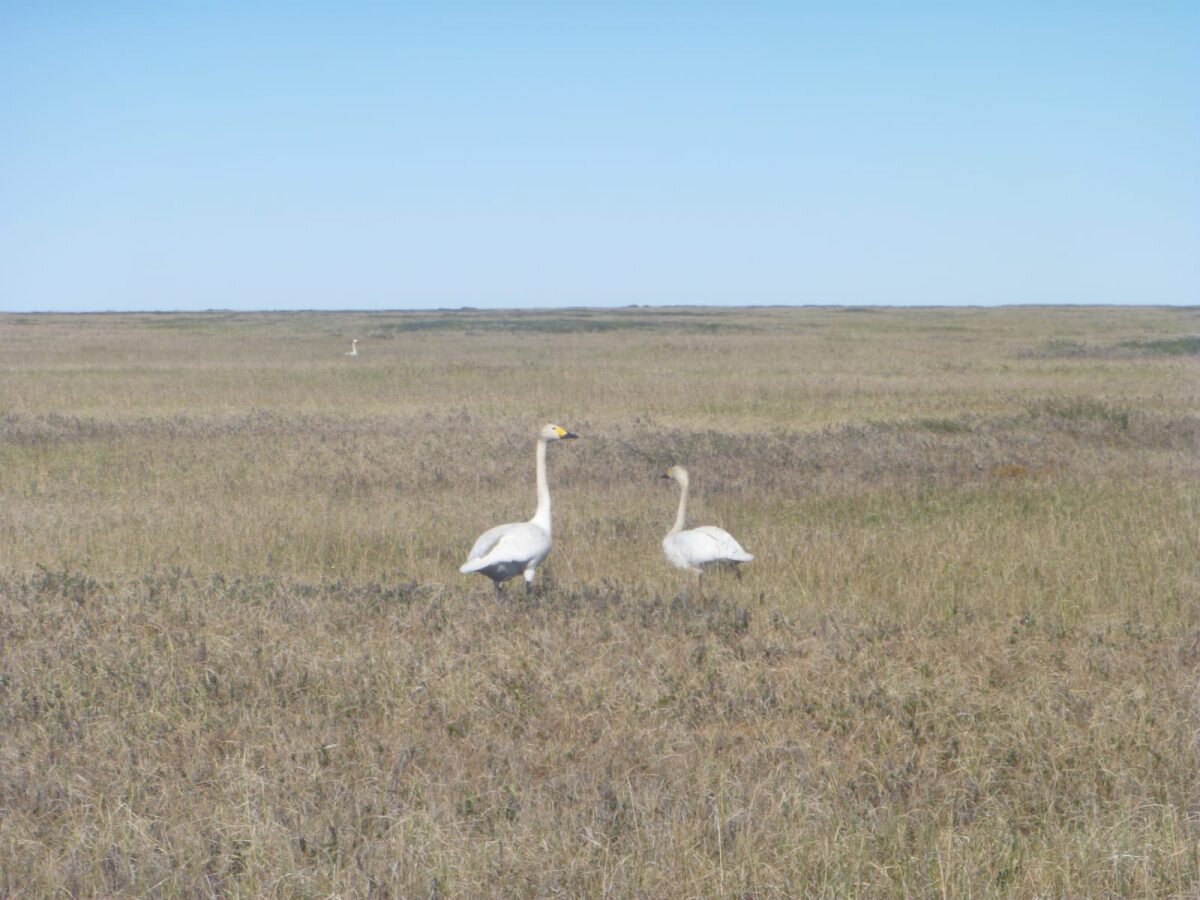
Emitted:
<point x="1180" y="346"/>
<point x="549" y="323"/>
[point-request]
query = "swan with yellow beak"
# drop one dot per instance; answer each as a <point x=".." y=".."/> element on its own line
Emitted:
<point x="505" y="551"/>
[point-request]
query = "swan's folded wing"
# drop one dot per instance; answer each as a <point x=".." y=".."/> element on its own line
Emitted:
<point x="487" y="541"/>
<point x="719" y="544"/>
<point x="520" y="543"/>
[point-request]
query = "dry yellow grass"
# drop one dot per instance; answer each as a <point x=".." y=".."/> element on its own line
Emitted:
<point x="237" y="658"/>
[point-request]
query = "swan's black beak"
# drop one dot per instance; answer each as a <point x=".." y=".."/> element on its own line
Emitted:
<point x="569" y="436"/>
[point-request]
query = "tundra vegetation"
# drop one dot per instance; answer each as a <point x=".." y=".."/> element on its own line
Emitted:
<point x="237" y="657"/>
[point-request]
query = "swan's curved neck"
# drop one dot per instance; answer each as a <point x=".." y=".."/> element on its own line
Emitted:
<point x="681" y="516"/>
<point x="541" y="518"/>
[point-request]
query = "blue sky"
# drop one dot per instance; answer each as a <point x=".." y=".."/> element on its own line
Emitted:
<point x="389" y="156"/>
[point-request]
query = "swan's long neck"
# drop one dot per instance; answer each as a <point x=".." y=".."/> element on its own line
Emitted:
<point x="541" y="518"/>
<point x="681" y="516"/>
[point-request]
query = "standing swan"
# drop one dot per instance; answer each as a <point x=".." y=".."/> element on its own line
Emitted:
<point x="353" y="351"/>
<point x="503" y="551"/>
<point x="698" y="547"/>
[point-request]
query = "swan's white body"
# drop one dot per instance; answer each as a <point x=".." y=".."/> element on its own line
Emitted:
<point x="353" y="351"/>
<point x="519" y="547"/>
<point x="694" y="549"/>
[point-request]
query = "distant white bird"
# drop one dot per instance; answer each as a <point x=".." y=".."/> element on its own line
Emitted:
<point x="506" y="550"/>
<point x="353" y="351"/>
<point x="696" y="548"/>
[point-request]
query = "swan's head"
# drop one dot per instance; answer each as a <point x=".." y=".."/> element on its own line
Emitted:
<point x="679" y="473"/>
<point x="556" y="433"/>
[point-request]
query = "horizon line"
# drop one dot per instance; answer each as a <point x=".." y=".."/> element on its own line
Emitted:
<point x="584" y="308"/>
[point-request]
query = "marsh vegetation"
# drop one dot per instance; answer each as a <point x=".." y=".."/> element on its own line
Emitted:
<point x="237" y="657"/>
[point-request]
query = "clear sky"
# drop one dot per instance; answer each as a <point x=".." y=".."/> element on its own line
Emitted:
<point x="245" y="155"/>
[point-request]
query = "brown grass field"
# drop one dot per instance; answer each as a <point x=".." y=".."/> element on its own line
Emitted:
<point x="237" y="657"/>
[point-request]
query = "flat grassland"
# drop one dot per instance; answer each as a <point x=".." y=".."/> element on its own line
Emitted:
<point x="237" y="657"/>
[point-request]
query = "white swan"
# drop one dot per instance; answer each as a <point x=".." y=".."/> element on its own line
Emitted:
<point x="696" y="548"/>
<point x="506" y="550"/>
<point x="353" y="351"/>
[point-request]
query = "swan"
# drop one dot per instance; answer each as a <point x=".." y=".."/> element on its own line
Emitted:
<point x="696" y="548"/>
<point x="506" y="550"/>
<point x="353" y="351"/>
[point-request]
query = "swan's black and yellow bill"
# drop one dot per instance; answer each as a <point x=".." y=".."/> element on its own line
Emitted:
<point x="564" y="435"/>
